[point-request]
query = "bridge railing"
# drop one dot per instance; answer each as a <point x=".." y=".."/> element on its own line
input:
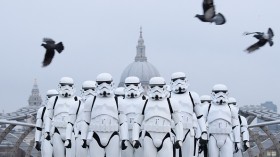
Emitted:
<point x="18" y="141"/>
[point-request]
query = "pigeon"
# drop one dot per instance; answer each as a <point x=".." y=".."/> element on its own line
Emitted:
<point x="210" y="14"/>
<point x="263" y="39"/>
<point x="50" y="47"/>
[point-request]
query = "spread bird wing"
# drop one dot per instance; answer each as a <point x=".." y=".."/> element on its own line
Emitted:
<point x="208" y="9"/>
<point x="48" y="41"/>
<point x="256" y="46"/>
<point x="48" y="57"/>
<point x="270" y="33"/>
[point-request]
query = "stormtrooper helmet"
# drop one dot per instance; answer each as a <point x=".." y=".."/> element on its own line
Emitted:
<point x="119" y="92"/>
<point x="220" y="94"/>
<point x="232" y="100"/>
<point x="179" y="82"/>
<point x="157" y="88"/>
<point x="205" y="99"/>
<point x="66" y="87"/>
<point x="104" y="84"/>
<point x="133" y="88"/>
<point x="50" y="93"/>
<point x="88" y="89"/>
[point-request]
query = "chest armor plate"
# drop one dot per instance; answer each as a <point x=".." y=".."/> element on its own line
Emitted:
<point x="62" y="107"/>
<point x="132" y="107"/>
<point x="104" y="106"/>
<point x="157" y="109"/>
<point x="183" y="102"/>
<point x="219" y="112"/>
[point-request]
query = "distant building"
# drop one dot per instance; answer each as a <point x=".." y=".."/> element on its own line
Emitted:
<point x="35" y="98"/>
<point x="140" y="67"/>
<point x="271" y="106"/>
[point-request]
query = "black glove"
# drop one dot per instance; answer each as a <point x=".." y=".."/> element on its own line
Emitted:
<point x="178" y="144"/>
<point x="137" y="144"/>
<point x="202" y="145"/>
<point x="236" y="148"/>
<point x="67" y="143"/>
<point x="246" y="145"/>
<point x="123" y="145"/>
<point x="84" y="143"/>
<point x="38" y="145"/>
<point x="47" y="136"/>
<point x="203" y="141"/>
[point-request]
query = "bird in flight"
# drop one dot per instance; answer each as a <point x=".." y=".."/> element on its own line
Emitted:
<point x="210" y="14"/>
<point x="263" y="39"/>
<point x="50" y="46"/>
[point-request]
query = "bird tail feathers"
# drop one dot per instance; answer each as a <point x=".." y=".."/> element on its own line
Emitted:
<point x="219" y="19"/>
<point x="59" y="47"/>
<point x="270" y="42"/>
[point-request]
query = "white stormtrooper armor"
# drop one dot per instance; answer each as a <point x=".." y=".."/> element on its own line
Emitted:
<point x="42" y="144"/>
<point x="76" y="121"/>
<point x="222" y="122"/>
<point x="131" y="106"/>
<point x="197" y="135"/>
<point x="188" y="103"/>
<point x="243" y="127"/>
<point x="57" y="118"/>
<point x="244" y="133"/>
<point x="103" y="119"/>
<point x="156" y="117"/>
<point x="204" y="106"/>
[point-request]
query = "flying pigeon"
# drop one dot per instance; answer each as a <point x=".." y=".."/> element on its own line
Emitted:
<point x="50" y="47"/>
<point x="263" y="39"/>
<point x="210" y="14"/>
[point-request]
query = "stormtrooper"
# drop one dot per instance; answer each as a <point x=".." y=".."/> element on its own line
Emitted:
<point x="131" y="106"/>
<point x="57" y="118"/>
<point x="76" y="121"/>
<point x="243" y="128"/>
<point x="222" y="124"/>
<point x="189" y="103"/>
<point x="104" y="120"/>
<point x="41" y="144"/>
<point x="156" y="117"/>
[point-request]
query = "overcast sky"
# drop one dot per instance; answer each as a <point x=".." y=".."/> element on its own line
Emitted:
<point x="101" y="36"/>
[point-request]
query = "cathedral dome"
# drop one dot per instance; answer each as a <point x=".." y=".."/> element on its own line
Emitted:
<point x="140" y="68"/>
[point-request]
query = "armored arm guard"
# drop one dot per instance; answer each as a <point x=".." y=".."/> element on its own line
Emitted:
<point x="244" y="128"/>
<point x="49" y="113"/>
<point x="198" y="111"/>
<point x="39" y="124"/>
<point x="137" y="126"/>
<point x="235" y="125"/>
<point x="123" y="128"/>
<point x="86" y="117"/>
<point x="196" y="127"/>
<point x="178" y="125"/>
<point x="72" y="119"/>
